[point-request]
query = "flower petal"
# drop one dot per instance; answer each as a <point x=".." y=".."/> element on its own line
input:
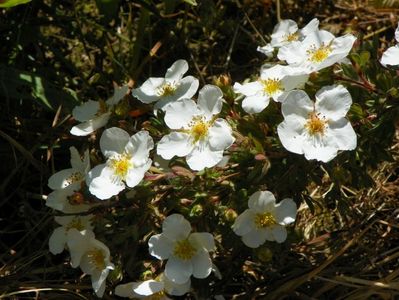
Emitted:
<point x="314" y="148"/>
<point x="148" y="287"/>
<point x="244" y="223"/>
<point x="176" y="227"/>
<point x="135" y="175"/>
<point x="176" y="289"/>
<point x="203" y="157"/>
<point x="139" y="146"/>
<point x="342" y="135"/>
<point x="279" y="233"/>
<point x="180" y="113"/>
<point x="176" y="71"/>
<point x="177" y="270"/>
<point x="119" y="93"/>
<point x="313" y="25"/>
<point x="285" y="212"/>
<point x="57" y="240"/>
<point x="148" y="91"/>
<point x="220" y="135"/>
<point x="255" y="103"/>
<point x="297" y="103"/>
<point x="126" y="290"/>
<point x="248" y="89"/>
<point x="210" y="100"/>
<point x="204" y="240"/>
<point x="254" y="238"/>
<point x="291" y="133"/>
<point x="262" y="201"/>
<point x="175" y="143"/>
<point x="61" y="179"/>
<point x="113" y="141"/>
<point x="102" y="184"/>
<point x="333" y="102"/>
<point x="90" y="126"/>
<point x="86" y="111"/>
<point x="160" y="246"/>
<point x="78" y="243"/>
<point x="391" y="56"/>
<point x="202" y="264"/>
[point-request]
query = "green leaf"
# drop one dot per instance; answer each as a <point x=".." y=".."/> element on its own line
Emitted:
<point x="18" y="84"/>
<point x="11" y="3"/>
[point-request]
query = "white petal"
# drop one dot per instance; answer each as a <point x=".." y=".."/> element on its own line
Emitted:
<point x="391" y="56"/>
<point x="255" y="104"/>
<point x="160" y="246"/>
<point x="267" y="50"/>
<point x="333" y="102"/>
<point x="175" y="143"/>
<point x="113" y="141"/>
<point x="86" y="111"/>
<point x="177" y="70"/>
<point x="294" y="81"/>
<point x="297" y="103"/>
<point x="210" y="100"/>
<point x="102" y="184"/>
<point x="254" y="238"/>
<point x="61" y="179"/>
<point x="203" y="157"/>
<point x="203" y="240"/>
<point x="244" y="223"/>
<point x="126" y="290"/>
<point x="176" y="227"/>
<point x="177" y="270"/>
<point x="342" y="135"/>
<point x="147" y="92"/>
<point x="78" y="243"/>
<point x="279" y="233"/>
<point x="135" y="175"/>
<point x="282" y="30"/>
<point x="319" y="150"/>
<point x="139" y="146"/>
<point x="262" y="201"/>
<point x="202" y="264"/>
<point x="57" y="240"/>
<point x="220" y="135"/>
<point x="148" y="287"/>
<point x="313" y="25"/>
<point x="98" y="281"/>
<point x="176" y="289"/>
<point x="293" y="53"/>
<point x="90" y="126"/>
<point x="118" y="95"/>
<point x="291" y="133"/>
<point x="248" y="89"/>
<point x="180" y="113"/>
<point x="285" y="212"/>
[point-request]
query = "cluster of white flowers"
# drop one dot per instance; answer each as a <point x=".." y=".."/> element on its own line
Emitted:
<point x="318" y="130"/>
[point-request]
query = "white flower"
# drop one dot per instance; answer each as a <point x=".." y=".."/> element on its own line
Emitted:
<point x="264" y="220"/>
<point x="169" y="89"/>
<point x="187" y="253"/>
<point x="152" y="289"/>
<point x="127" y="161"/>
<point x="285" y="32"/>
<point x="199" y="134"/>
<point x="91" y="255"/>
<point x="391" y="55"/>
<point x="273" y="83"/>
<point x="319" y="129"/>
<point x="94" y="115"/>
<point x="67" y="183"/>
<point x="320" y="49"/>
<point x="58" y="238"/>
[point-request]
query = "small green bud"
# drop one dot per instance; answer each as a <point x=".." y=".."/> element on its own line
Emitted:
<point x="196" y="211"/>
<point x="264" y="254"/>
<point x="230" y="215"/>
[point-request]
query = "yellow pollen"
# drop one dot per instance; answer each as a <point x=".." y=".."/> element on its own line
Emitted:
<point x="291" y="37"/>
<point x="121" y="165"/>
<point x="168" y="89"/>
<point x="96" y="257"/>
<point x="199" y="129"/>
<point x="318" y="55"/>
<point x="184" y="250"/>
<point x="263" y="220"/>
<point x="75" y="223"/>
<point x="272" y="86"/>
<point x="315" y="125"/>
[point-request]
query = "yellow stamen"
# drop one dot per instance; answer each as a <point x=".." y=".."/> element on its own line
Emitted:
<point x="96" y="257"/>
<point x="291" y="37"/>
<point x="263" y="220"/>
<point x="317" y="55"/>
<point x="315" y="125"/>
<point x="168" y="89"/>
<point x="272" y="86"/>
<point x="121" y="165"/>
<point x="75" y="223"/>
<point x="199" y="129"/>
<point x="75" y="177"/>
<point x="184" y="250"/>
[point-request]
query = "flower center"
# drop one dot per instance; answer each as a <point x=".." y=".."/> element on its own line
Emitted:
<point x="317" y="55"/>
<point x="75" y="177"/>
<point x="168" y="89"/>
<point x="121" y="165"/>
<point x="96" y="257"/>
<point x="75" y="223"/>
<point x="76" y="198"/>
<point x="291" y="37"/>
<point x="199" y="128"/>
<point x="263" y="220"/>
<point x="315" y="125"/>
<point x="184" y="250"/>
<point x="272" y="86"/>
